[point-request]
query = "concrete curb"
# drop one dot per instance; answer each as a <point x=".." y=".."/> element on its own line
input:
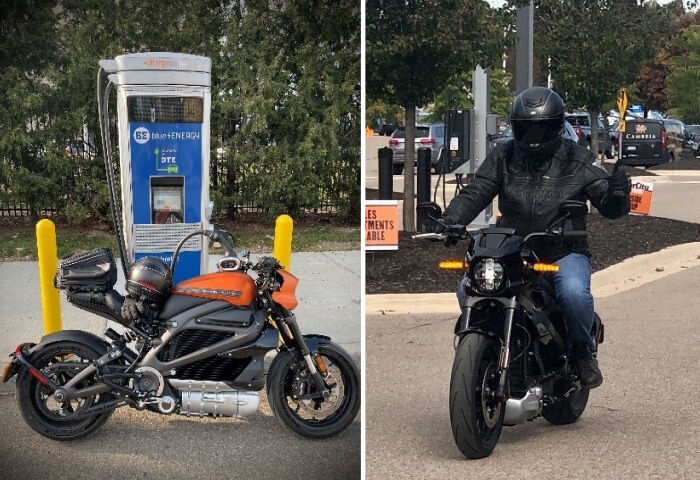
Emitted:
<point x="626" y="275"/>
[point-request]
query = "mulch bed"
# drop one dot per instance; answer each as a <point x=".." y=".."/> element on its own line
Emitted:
<point x="413" y="268"/>
<point x="692" y="164"/>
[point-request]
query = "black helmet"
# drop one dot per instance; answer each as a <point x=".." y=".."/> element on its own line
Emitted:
<point x="149" y="279"/>
<point x="537" y="119"/>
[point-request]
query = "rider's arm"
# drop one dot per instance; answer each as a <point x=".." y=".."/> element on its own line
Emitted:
<point x="600" y="194"/>
<point x="476" y="196"/>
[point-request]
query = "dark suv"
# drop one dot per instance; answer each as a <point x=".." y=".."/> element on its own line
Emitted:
<point x="650" y="142"/>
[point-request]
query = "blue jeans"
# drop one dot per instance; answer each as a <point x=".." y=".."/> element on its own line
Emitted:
<point x="572" y="291"/>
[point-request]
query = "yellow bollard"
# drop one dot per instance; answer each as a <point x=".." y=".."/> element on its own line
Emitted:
<point x="282" y="249"/>
<point x="48" y="262"/>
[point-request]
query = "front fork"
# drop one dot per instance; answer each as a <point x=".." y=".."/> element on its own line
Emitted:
<point x="505" y="349"/>
<point x="292" y="335"/>
<point x="504" y="357"/>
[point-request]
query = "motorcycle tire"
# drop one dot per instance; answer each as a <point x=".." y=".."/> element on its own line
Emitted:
<point x="281" y="380"/>
<point x="34" y="400"/>
<point x="476" y="358"/>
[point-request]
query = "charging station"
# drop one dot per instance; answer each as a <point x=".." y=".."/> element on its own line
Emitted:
<point x="163" y="109"/>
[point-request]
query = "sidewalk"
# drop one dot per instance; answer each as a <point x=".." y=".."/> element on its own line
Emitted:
<point x="328" y="292"/>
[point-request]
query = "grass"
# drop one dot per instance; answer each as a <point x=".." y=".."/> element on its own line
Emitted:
<point x="18" y="238"/>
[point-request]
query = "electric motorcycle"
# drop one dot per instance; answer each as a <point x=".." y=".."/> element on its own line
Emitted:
<point x="201" y="353"/>
<point x="511" y="361"/>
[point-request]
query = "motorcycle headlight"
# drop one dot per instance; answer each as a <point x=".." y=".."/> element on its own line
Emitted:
<point x="488" y="275"/>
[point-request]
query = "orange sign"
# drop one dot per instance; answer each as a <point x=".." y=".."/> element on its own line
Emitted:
<point x="382" y="225"/>
<point x="640" y="197"/>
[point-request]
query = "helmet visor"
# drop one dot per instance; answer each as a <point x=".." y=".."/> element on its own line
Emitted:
<point x="535" y="132"/>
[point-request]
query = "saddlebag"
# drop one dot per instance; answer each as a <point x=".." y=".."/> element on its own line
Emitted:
<point x="93" y="271"/>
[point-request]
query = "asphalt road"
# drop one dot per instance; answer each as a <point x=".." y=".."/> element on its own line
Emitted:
<point x="643" y="422"/>
<point x="144" y="445"/>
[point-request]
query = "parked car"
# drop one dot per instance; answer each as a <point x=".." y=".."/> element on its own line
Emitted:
<point x="649" y="142"/>
<point x="569" y="132"/>
<point x="383" y="128"/>
<point x="680" y="145"/>
<point x="694" y="131"/>
<point x="429" y="135"/>
<point x="582" y="120"/>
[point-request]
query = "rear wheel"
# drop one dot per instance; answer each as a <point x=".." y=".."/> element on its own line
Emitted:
<point x="475" y="415"/>
<point x="288" y="384"/>
<point x="397" y="169"/>
<point x="59" y="421"/>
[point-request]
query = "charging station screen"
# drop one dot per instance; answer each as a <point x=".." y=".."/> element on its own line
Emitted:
<point x="166" y="202"/>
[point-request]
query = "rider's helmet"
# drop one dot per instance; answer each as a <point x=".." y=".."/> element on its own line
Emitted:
<point x="537" y="119"/>
<point x="149" y="279"/>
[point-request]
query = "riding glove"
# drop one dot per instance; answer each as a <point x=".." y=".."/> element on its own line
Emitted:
<point x="133" y="309"/>
<point x="619" y="183"/>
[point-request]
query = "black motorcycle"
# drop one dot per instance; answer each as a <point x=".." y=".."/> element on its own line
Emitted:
<point x="199" y="352"/>
<point x="511" y="362"/>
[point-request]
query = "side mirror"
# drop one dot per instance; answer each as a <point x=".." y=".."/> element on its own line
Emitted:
<point x="574" y="208"/>
<point x="425" y="212"/>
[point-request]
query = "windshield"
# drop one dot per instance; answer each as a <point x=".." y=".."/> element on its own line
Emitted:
<point x="421" y="132"/>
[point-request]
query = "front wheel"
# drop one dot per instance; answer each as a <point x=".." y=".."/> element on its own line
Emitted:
<point x="290" y="391"/>
<point x="475" y="414"/>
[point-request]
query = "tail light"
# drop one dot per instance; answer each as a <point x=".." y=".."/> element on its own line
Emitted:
<point x="393" y="141"/>
<point x="579" y="132"/>
<point x="427" y="141"/>
<point x="664" y="139"/>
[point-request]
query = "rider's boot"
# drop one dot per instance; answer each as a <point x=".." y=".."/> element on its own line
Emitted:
<point x="588" y="369"/>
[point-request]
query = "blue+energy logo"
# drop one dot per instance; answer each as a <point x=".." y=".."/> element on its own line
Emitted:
<point x="142" y="135"/>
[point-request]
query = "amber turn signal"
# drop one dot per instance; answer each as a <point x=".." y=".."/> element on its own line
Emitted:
<point x="545" y="267"/>
<point x="453" y="264"/>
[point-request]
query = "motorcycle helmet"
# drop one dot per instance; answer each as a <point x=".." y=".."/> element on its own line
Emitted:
<point x="537" y="120"/>
<point x="149" y="279"/>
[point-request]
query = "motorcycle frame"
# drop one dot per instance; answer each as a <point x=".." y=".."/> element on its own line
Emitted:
<point x="254" y="341"/>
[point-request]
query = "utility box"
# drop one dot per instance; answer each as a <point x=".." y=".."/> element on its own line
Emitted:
<point x="458" y="125"/>
<point x="163" y="108"/>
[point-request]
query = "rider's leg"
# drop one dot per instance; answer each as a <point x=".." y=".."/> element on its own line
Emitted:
<point x="572" y="289"/>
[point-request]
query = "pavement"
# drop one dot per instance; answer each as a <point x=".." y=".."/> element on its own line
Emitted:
<point x="643" y="422"/>
<point x="675" y="191"/>
<point x="140" y="444"/>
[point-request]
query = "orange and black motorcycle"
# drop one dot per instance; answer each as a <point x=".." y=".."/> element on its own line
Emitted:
<point x="199" y="351"/>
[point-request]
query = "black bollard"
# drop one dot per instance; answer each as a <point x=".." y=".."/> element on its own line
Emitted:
<point x="424" y="166"/>
<point x="386" y="178"/>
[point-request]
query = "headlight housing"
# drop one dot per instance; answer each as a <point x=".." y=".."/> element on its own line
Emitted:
<point x="488" y="275"/>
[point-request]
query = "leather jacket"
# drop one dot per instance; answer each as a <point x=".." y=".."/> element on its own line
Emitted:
<point x="530" y="193"/>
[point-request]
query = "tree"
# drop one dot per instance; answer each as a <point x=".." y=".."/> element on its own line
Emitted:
<point x="684" y="80"/>
<point x="651" y="82"/>
<point x="596" y="47"/>
<point x="414" y="47"/>
<point x="457" y="94"/>
<point x="290" y="96"/>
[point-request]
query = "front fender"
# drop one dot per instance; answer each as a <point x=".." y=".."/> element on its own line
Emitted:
<point x="312" y="342"/>
<point x="79" y="336"/>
